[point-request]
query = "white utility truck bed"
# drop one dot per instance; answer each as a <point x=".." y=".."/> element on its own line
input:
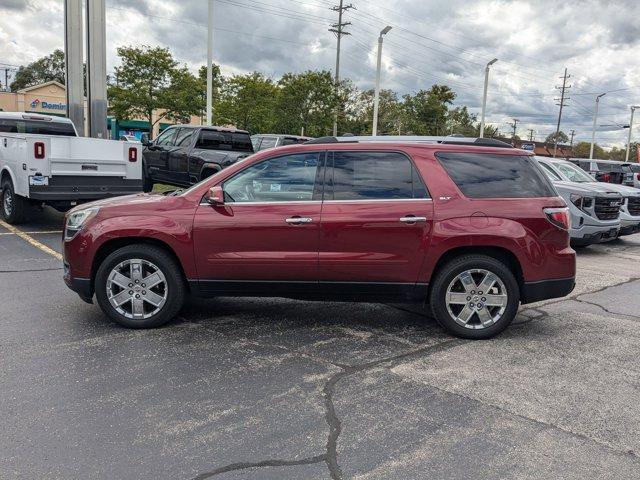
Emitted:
<point x="43" y="161"/>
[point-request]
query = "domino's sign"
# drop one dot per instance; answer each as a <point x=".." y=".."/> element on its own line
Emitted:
<point x="47" y="105"/>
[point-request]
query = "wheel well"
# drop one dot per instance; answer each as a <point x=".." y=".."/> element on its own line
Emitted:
<point x="499" y="253"/>
<point x="5" y="175"/>
<point x="112" y="245"/>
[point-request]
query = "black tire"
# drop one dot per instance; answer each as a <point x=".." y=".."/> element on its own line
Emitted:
<point x="446" y="275"/>
<point x="13" y="207"/>
<point x="175" y="284"/>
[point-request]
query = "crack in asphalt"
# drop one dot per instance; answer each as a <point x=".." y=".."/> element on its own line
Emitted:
<point x="330" y="457"/>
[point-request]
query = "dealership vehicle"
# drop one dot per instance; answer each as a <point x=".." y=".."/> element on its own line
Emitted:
<point x="185" y="154"/>
<point x="608" y="171"/>
<point x="594" y="207"/>
<point x="629" y="209"/>
<point x="633" y="179"/>
<point x="43" y="161"/>
<point x="268" y="140"/>
<point x="471" y="226"/>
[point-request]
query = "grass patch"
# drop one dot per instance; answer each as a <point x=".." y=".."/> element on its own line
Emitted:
<point x="161" y="188"/>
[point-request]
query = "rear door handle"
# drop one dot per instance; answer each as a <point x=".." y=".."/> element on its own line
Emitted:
<point x="412" y="219"/>
<point x="298" y="220"/>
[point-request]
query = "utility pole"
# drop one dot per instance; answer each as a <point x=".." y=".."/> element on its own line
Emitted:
<point x="96" y="68"/>
<point x="337" y="28"/>
<point x="562" y="104"/>
<point x="573" y="133"/>
<point x="376" y="96"/>
<point x="531" y="134"/>
<point x="74" y="76"/>
<point x="626" y="155"/>
<point x="595" y="118"/>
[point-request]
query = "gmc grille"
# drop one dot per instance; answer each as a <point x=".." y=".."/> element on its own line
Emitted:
<point x="607" y="208"/>
<point x="634" y="206"/>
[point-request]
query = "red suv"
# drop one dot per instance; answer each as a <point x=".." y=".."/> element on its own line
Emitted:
<point x="472" y="227"/>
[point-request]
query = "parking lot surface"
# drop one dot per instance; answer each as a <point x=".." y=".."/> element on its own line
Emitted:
<point x="276" y="388"/>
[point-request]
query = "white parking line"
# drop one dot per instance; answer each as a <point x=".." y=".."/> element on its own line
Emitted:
<point x="39" y="232"/>
<point x="29" y="239"/>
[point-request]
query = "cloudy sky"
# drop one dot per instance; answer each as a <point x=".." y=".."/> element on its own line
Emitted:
<point x="432" y="41"/>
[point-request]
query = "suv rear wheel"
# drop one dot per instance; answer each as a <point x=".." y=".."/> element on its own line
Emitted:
<point x="13" y="206"/>
<point x="475" y="296"/>
<point x="140" y="286"/>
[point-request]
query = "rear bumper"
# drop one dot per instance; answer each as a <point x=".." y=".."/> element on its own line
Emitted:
<point x="545" y="289"/>
<point x="74" y="188"/>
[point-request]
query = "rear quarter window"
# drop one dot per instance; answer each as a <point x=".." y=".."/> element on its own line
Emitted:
<point x="486" y="175"/>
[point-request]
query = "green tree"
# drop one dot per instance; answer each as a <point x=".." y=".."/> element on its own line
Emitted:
<point x="581" y="150"/>
<point x="149" y="80"/>
<point x="45" y="69"/>
<point x="306" y="100"/>
<point x="461" y="122"/>
<point x="248" y="102"/>
<point x="426" y="111"/>
<point x="561" y="136"/>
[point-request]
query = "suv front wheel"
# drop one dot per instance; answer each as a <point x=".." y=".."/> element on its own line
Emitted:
<point x="140" y="286"/>
<point x="475" y="296"/>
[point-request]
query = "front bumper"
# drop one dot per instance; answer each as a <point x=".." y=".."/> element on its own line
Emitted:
<point x="546" y="289"/>
<point x="82" y="286"/>
<point x="588" y="234"/>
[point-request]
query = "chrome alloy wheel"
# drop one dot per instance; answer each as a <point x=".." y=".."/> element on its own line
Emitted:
<point x="7" y="202"/>
<point x="137" y="288"/>
<point x="476" y="298"/>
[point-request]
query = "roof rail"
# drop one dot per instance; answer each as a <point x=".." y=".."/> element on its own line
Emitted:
<point x="480" y="142"/>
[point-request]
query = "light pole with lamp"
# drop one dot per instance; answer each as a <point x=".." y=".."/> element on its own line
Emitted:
<point x="595" y="118"/>
<point x="376" y="96"/>
<point x="633" y="108"/>
<point x="484" y="95"/>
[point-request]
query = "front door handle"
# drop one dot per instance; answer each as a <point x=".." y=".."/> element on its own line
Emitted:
<point x="298" y="220"/>
<point x="412" y="219"/>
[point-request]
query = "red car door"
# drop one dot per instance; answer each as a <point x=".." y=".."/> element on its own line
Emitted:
<point x="265" y="236"/>
<point x="376" y="223"/>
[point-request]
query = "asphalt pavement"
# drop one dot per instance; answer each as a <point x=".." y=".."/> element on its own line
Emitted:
<point x="284" y="389"/>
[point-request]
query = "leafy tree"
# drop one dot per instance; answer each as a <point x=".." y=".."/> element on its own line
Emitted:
<point x="561" y="136"/>
<point x="461" y="122"/>
<point x="45" y="69"/>
<point x="248" y="102"/>
<point x="427" y="110"/>
<point x="581" y="150"/>
<point x="306" y="100"/>
<point x="149" y="80"/>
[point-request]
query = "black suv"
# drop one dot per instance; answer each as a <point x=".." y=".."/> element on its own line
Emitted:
<point x="185" y="154"/>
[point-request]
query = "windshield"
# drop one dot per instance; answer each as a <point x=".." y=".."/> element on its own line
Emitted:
<point x="573" y="173"/>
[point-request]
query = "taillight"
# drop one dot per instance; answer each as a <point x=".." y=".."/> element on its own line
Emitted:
<point x="133" y="154"/>
<point x="38" y="150"/>
<point x="606" y="177"/>
<point x="558" y="216"/>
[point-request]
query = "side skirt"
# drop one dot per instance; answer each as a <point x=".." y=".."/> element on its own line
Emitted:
<point x="333" y="291"/>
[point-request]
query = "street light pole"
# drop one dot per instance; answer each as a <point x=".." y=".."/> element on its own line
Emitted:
<point x="595" y="118"/>
<point x="209" y="63"/>
<point x="376" y="97"/>
<point x="633" y="108"/>
<point x="484" y="95"/>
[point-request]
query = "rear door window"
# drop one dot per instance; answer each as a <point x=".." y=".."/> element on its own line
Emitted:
<point x="184" y="137"/>
<point x="488" y="175"/>
<point x="374" y="176"/>
<point x="34" y="127"/>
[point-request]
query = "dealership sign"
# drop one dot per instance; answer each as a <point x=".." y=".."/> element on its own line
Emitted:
<point x="47" y="105"/>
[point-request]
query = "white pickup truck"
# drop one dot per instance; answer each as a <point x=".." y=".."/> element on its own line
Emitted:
<point x="43" y="161"/>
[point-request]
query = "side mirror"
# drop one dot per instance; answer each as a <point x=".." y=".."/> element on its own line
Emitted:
<point x="216" y="196"/>
<point x="144" y="139"/>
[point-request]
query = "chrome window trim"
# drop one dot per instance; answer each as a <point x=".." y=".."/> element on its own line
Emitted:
<point x="307" y="202"/>
<point x="379" y="200"/>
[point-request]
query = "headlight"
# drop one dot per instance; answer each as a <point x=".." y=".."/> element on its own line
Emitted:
<point x="581" y="202"/>
<point x="76" y="220"/>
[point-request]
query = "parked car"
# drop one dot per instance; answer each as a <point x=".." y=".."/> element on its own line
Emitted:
<point x="471" y="226"/>
<point x="633" y="178"/>
<point x="608" y="171"/>
<point x="268" y="140"/>
<point x="594" y="207"/>
<point x="630" y="206"/>
<point x="185" y="154"/>
<point x="43" y="161"/>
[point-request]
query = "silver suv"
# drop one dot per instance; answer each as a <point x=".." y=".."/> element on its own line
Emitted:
<point x="594" y="206"/>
